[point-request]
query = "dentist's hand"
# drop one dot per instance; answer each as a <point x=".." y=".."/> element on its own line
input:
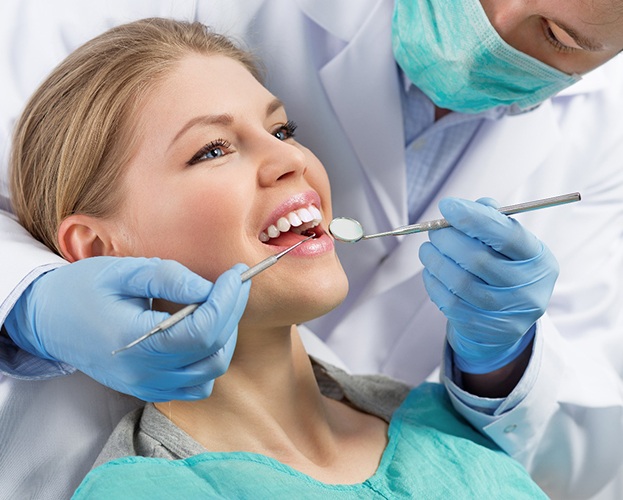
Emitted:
<point x="491" y="278"/>
<point x="81" y="312"/>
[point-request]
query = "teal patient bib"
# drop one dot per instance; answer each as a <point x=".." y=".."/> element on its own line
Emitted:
<point x="431" y="453"/>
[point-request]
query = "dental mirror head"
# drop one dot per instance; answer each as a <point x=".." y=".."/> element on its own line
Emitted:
<point x="346" y="229"/>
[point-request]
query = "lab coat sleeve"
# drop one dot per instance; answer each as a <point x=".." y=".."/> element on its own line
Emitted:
<point x="559" y="431"/>
<point x="22" y="260"/>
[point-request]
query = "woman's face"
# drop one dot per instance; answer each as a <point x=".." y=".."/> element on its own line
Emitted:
<point x="574" y="36"/>
<point x="218" y="179"/>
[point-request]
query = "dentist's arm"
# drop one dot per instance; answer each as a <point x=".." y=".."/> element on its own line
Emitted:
<point x="492" y="279"/>
<point x="79" y="313"/>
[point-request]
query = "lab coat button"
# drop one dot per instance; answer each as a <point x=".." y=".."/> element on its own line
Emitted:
<point x="510" y="428"/>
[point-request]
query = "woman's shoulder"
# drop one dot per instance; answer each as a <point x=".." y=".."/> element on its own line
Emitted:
<point x="428" y="405"/>
<point x="451" y="457"/>
<point x="121" y="441"/>
<point x="145" y="432"/>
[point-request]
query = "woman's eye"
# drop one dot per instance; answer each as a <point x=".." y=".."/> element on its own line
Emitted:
<point x="285" y="131"/>
<point x="214" y="153"/>
<point x="211" y="151"/>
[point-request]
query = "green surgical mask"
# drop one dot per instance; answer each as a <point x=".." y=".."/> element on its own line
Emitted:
<point x="452" y="53"/>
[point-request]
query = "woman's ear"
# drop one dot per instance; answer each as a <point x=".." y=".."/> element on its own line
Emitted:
<point x="82" y="236"/>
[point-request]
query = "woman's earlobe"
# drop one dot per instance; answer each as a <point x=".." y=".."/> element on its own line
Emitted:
<point x="82" y="236"/>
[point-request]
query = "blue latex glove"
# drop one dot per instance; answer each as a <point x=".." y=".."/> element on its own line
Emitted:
<point x="491" y="278"/>
<point x="81" y="312"/>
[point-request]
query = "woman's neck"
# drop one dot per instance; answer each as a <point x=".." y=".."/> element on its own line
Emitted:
<point x="269" y="402"/>
<point x="269" y="391"/>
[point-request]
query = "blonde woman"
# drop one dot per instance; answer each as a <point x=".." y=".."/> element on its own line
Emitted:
<point x="201" y="166"/>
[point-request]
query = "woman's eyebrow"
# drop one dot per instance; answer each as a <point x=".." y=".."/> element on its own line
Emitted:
<point x="222" y="119"/>
<point x="583" y="41"/>
<point x="273" y="106"/>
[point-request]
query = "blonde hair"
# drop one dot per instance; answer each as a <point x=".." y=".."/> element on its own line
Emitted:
<point x="74" y="136"/>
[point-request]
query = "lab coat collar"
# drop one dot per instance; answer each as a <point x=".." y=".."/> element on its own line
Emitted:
<point x="362" y="85"/>
<point x="338" y="17"/>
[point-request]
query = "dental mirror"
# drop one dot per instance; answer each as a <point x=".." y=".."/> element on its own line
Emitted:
<point x="346" y="229"/>
<point x="351" y="231"/>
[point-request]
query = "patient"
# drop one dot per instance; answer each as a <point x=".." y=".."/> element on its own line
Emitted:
<point x="157" y="139"/>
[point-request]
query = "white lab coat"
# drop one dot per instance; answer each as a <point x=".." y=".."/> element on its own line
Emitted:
<point x="330" y="61"/>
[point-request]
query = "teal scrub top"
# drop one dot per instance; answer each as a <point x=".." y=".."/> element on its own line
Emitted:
<point x="432" y="452"/>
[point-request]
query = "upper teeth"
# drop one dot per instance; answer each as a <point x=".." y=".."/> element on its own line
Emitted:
<point x="302" y="218"/>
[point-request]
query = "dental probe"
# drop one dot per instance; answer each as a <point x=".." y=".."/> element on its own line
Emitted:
<point x="182" y="313"/>
<point x="350" y="230"/>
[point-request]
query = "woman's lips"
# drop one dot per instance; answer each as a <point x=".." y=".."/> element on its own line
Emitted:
<point x="315" y="246"/>
<point x="319" y="244"/>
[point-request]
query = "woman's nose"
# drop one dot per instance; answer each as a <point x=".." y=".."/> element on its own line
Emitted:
<point x="281" y="160"/>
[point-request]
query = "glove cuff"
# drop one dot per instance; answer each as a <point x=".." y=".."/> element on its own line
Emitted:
<point x="480" y="366"/>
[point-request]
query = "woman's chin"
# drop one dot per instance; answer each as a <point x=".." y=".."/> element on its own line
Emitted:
<point x="301" y="307"/>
